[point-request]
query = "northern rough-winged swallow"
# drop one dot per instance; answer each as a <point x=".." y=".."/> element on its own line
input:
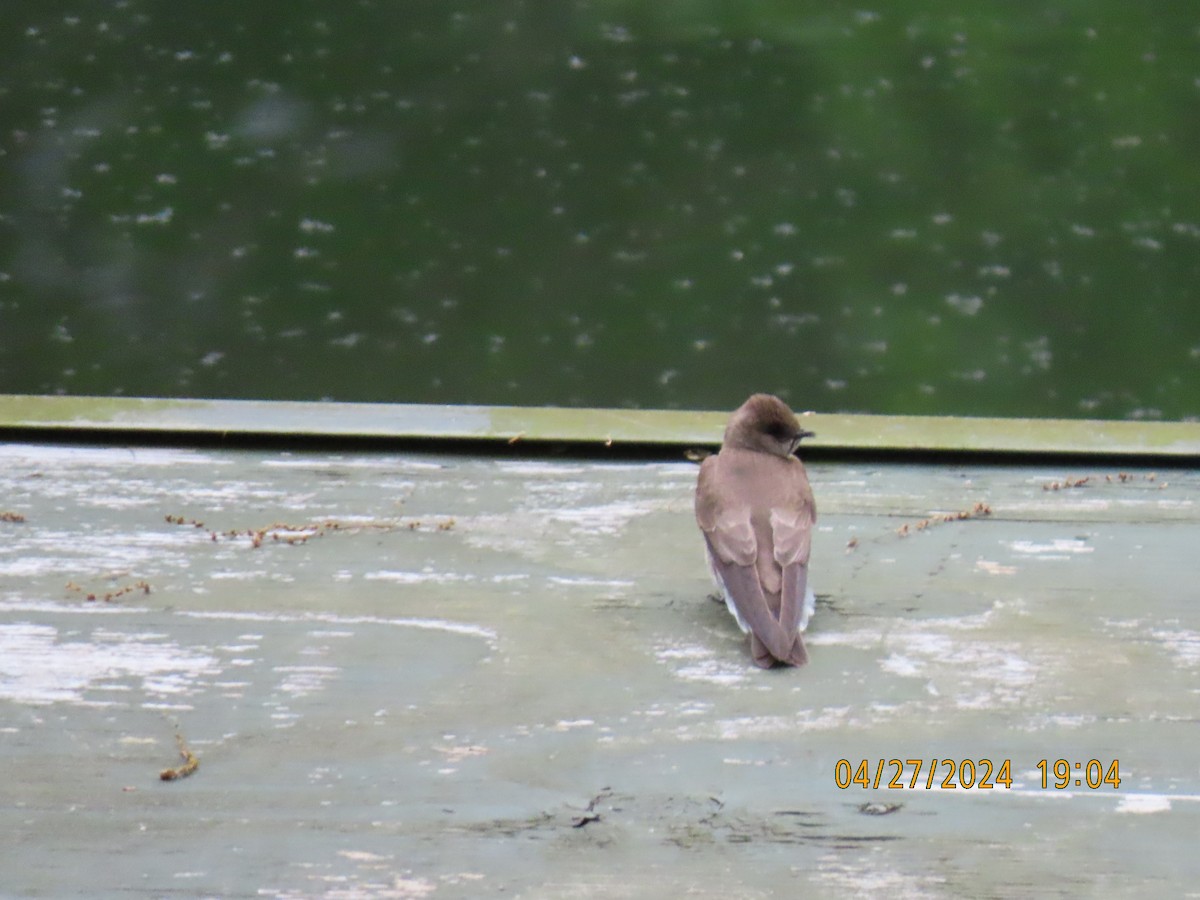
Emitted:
<point x="756" y="510"/>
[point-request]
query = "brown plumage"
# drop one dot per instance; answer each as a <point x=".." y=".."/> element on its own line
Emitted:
<point x="756" y="510"/>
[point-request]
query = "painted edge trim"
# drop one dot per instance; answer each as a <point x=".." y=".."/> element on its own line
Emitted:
<point x="50" y="417"/>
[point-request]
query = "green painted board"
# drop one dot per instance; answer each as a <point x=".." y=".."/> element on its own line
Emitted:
<point x="599" y="428"/>
<point x="412" y="675"/>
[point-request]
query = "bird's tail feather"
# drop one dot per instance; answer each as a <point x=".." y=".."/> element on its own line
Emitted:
<point x="763" y="658"/>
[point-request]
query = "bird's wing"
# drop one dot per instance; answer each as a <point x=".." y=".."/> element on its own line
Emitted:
<point x="791" y="532"/>
<point x="743" y="588"/>
<point x="734" y="551"/>
<point x="736" y="557"/>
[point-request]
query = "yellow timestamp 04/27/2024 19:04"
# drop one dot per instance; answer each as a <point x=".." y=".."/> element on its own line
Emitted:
<point x="971" y="774"/>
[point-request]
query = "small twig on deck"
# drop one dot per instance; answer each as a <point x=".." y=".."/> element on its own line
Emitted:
<point x="109" y="596"/>
<point x="190" y="763"/>
<point x="288" y="533"/>
<point x="589" y="813"/>
<point x="1067" y="483"/>
<point x="975" y="512"/>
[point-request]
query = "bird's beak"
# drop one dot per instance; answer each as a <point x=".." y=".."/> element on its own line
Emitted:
<point x="801" y="436"/>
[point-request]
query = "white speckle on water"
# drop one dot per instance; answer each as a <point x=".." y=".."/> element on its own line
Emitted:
<point x="968" y="306"/>
<point x="162" y="217"/>
<point x="315" y="226"/>
<point x="1039" y="352"/>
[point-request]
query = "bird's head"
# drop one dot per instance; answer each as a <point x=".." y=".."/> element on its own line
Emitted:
<point x="765" y="424"/>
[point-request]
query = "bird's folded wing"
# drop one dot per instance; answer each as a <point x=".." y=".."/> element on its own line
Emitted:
<point x="732" y="545"/>
<point x="792" y="534"/>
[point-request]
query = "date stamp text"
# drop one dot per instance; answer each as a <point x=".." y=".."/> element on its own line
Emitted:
<point x="971" y="774"/>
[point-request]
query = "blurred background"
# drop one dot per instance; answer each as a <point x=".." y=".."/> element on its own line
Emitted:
<point x="912" y="208"/>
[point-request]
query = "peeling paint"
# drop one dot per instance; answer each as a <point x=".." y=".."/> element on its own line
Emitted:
<point x="511" y="704"/>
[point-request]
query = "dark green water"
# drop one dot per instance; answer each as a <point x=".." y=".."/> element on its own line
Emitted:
<point x="989" y="209"/>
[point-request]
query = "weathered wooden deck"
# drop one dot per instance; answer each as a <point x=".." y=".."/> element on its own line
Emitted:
<point x="409" y="674"/>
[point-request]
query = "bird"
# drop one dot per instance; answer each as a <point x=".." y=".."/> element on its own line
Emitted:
<point x="756" y="511"/>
